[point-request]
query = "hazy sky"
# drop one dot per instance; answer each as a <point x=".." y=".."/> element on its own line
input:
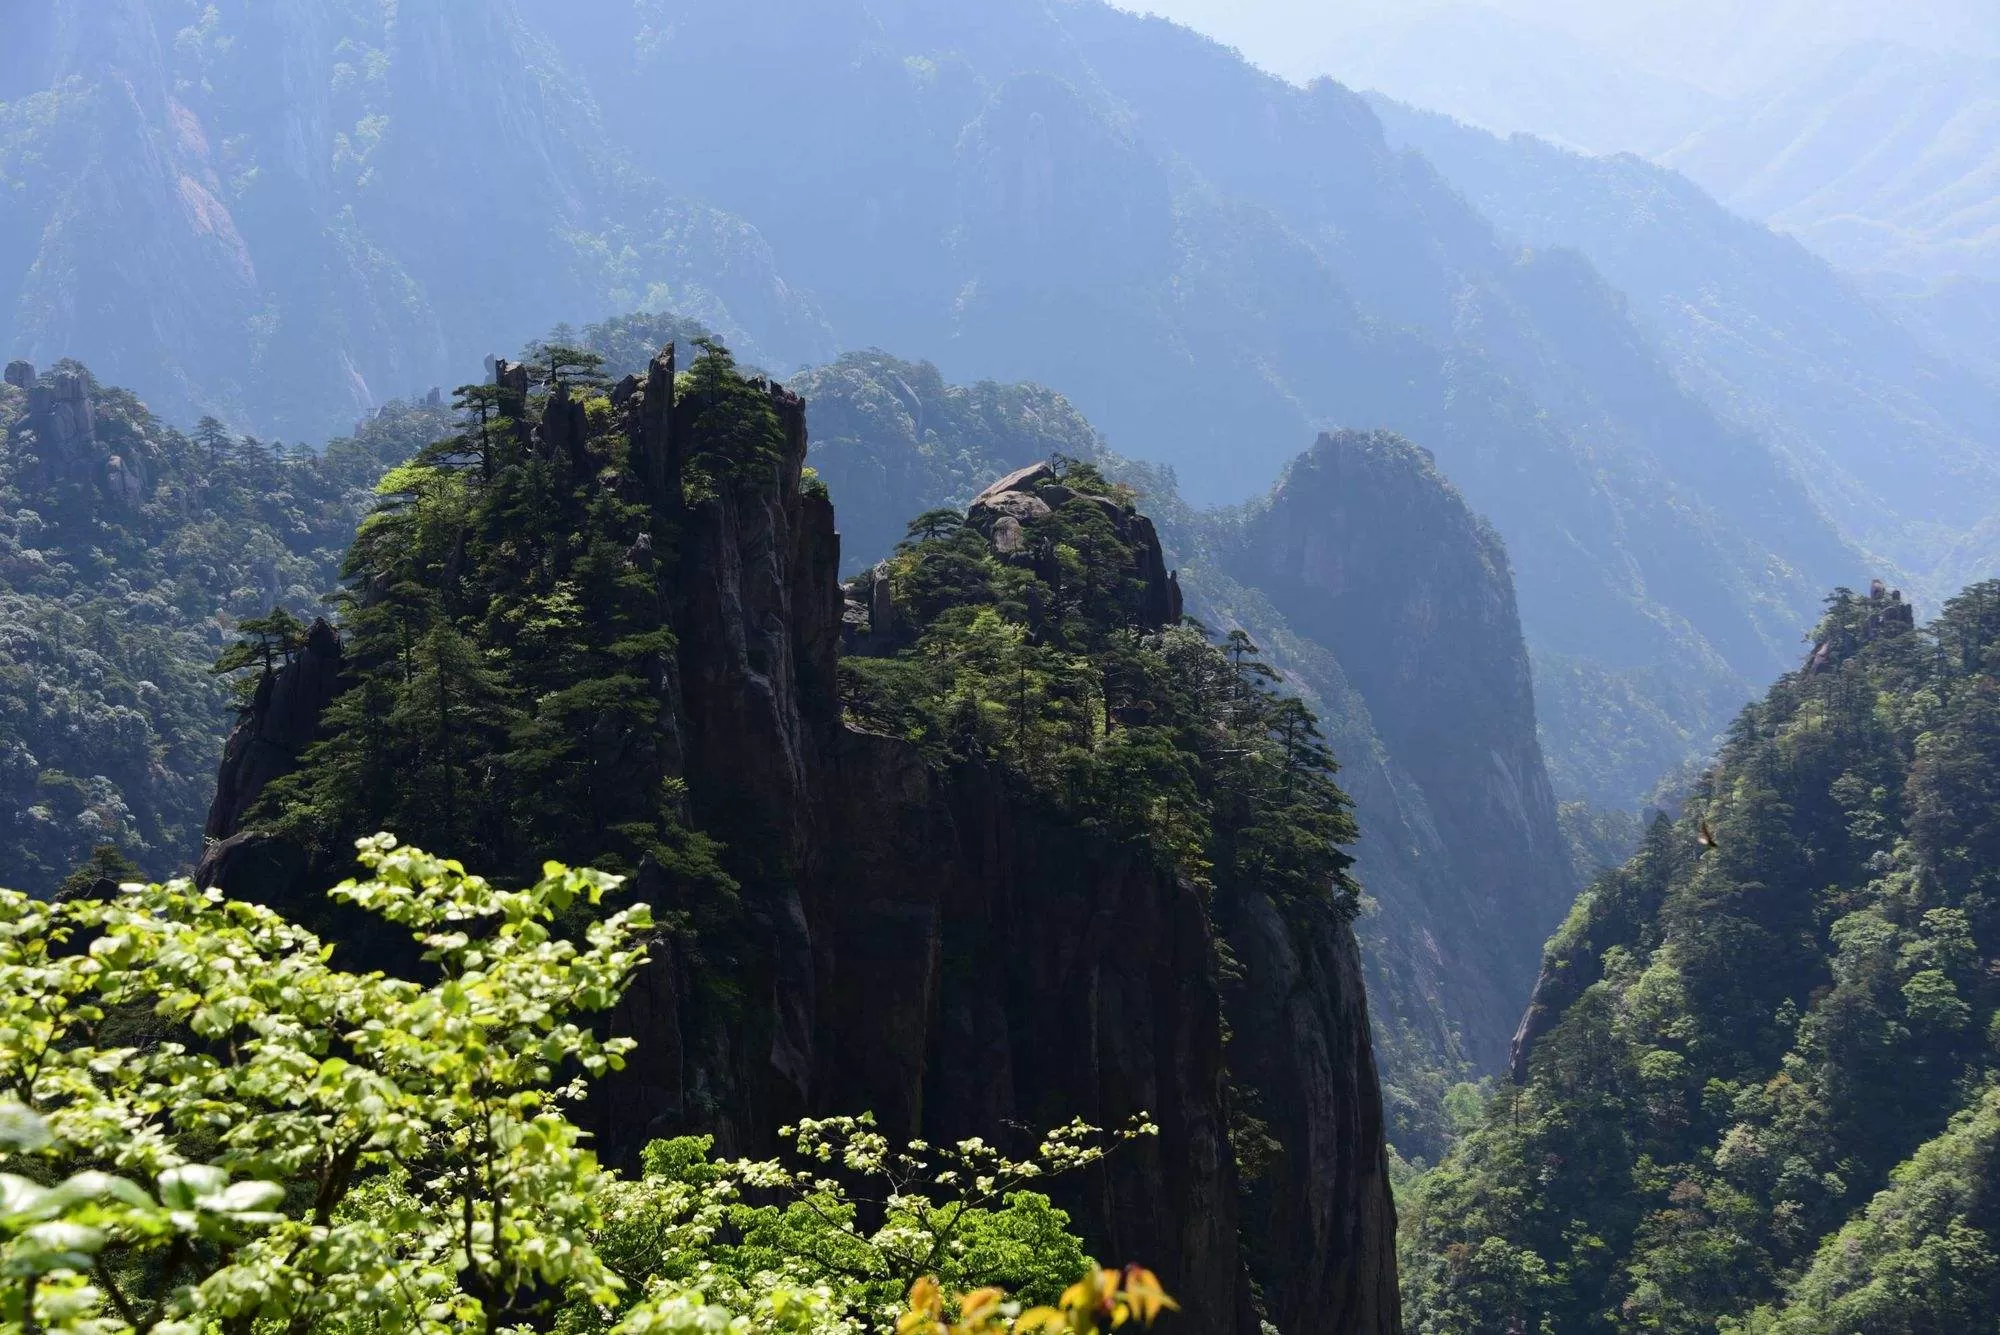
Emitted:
<point x="1726" y="46"/>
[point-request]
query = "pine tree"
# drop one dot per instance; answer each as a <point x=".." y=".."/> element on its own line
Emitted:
<point x="265" y="643"/>
<point x="215" y="441"/>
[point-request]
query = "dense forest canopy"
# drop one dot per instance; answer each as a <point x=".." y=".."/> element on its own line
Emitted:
<point x="1782" y="1006"/>
<point x="129" y="551"/>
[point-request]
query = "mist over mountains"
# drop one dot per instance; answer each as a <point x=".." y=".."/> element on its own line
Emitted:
<point x="1865" y="130"/>
<point x="1727" y="47"/>
<point x="1892" y="438"/>
<point x="285" y="214"/>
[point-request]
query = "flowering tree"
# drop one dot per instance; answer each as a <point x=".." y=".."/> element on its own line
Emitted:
<point x="206" y="1127"/>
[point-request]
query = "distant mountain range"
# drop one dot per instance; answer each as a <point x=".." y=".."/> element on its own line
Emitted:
<point x="1878" y="157"/>
<point x="1890" y="434"/>
<point x="1960" y="316"/>
<point x="1683" y="429"/>
<point x="1503" y="73"/>
<point x="284" y="214"/>
<point x="1877" y="154"/>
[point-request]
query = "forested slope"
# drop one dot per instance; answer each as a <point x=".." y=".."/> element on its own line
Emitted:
<point x="1740" y="1036"/>
<point x="128" y="550"/>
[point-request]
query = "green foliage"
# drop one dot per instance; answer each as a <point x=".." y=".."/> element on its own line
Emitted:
<point x="1782" y="996"/>
<point x="263" y="645"/>
<point x="114" y="603"/>
<point x="733" y="421"/>
<point x="1040" y="661"/>
<point x="893" y="438"/>
<point x="1924" y="1256"/>
<point x="310" y="1149"/>
<point x="852" y="1216"/>
<point x="506" y="631"/>
<point x="379" y="1153"/>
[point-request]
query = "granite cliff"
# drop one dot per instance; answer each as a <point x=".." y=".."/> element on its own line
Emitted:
<point x="1364" y="548"/>
<point x="913" y="935"/>
<point x="1389" y="605"/>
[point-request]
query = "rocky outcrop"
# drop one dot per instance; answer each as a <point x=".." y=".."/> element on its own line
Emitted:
<point x="1882" y="614"/>
<point x="933" y="946"/>
<point x="280" y="721"/>
<point x="869" y="623"/>
<point x="1003" y="509"/>
<point x="59" y="428"/>
<point x="1365" y="549"/>
<point x="59" y="435"/>
<point x="271" y="735"/>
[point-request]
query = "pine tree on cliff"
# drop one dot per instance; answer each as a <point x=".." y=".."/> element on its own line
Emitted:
<point x="506" y="636"/>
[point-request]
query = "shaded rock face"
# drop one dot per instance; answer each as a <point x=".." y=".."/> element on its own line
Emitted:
<point x="59" y="432"/>
<point x="1365" y="549"/>
<point x="270" y="737"/>
<point x="989" y="969"/>
<point x="1301" y="1041"/>
<point x="279" y="724"/>
<point x="931" y="946"/>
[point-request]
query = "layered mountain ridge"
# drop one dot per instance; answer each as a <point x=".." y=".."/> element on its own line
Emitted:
<point x="1895" y="443"/>
<point x="1214" y="265"/>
